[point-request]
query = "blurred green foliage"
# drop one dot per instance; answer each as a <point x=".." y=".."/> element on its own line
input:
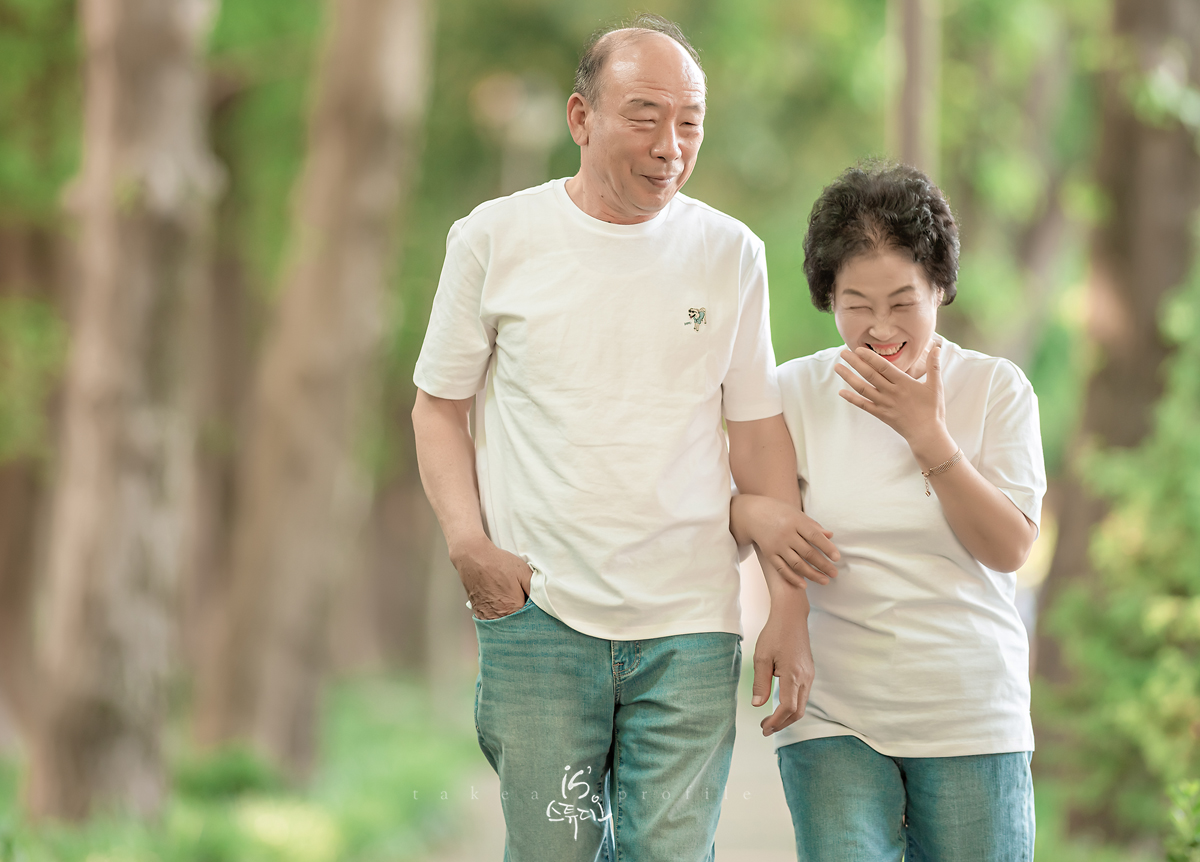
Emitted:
<point x="1132" y="713"/>
<point x="40" y="98"/>
<point x="261" y="56"/>
<point x="40" y="121"/>
<point x="380" y="745"/>
<point x="1183" y="842"/>
<point x="32" y="345"/>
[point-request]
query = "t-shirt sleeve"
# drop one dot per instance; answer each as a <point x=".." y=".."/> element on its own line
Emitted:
<point x="750" y="390"/>
<point x="458" y="344"/>
<point x="1011" y="455"/>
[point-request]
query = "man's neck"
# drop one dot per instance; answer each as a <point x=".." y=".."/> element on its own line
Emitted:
<point x="584" y="194"/>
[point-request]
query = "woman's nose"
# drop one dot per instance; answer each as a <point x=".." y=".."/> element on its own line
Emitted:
<point x="881" y="329"/>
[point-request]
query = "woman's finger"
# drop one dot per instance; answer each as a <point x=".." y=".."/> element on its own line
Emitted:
<point x="860" y="361"/>
<point x="798" y="565"/>
<point x="856" y="362"/>
<point x="814" y="564"/>
<point x="935" y="368"/>
<point x="855" y="382"/>
<point x="880" y="365"/>
<point x="858" y="401"/>
<point x="788" y="573"/>
<point x="812" y="533"/>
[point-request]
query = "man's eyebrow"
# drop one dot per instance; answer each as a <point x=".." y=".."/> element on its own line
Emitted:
<point x="650" y="103"/>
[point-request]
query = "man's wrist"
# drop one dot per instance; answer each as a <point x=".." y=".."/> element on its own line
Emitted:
<point x="786" y="597"/>
<point x="467" y="545"/>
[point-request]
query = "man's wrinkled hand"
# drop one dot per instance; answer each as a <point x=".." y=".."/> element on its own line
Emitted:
<point x="783" y="651"/>
<point x="496" y="581"/>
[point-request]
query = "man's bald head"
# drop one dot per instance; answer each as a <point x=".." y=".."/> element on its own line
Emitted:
<point x="588" y="77"/>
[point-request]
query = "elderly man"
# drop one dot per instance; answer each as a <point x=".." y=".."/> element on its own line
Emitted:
<point x="603" y="325"/>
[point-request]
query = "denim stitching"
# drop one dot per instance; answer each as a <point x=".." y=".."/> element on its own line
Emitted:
<point x="616" y="821"/>
<point x="617" y="670"/>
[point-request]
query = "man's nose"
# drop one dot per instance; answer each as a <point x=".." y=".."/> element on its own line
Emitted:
<point x="666" y="144"/>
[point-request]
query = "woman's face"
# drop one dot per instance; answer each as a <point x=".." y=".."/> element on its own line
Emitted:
<point x="883" y="301"/>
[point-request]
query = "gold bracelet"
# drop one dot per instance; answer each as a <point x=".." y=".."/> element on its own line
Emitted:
<point x="940" y="468"/>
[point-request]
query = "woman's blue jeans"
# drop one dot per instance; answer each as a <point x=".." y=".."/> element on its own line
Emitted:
<point x="852" y="804"/>
<point x="606" y="750"/>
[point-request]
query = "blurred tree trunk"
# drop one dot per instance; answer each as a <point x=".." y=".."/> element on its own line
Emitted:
<point x="915" y="28"/>
<point x="29" y="270"/>
<point x="225" y="359"/>
<point x="302" y="499"/>
<point x="228" y="325"/>
<point x="21" y="492"/>
<point x="1149" y="171"/>
<point x="143" y="201"/>
<point x="380" y="618"/>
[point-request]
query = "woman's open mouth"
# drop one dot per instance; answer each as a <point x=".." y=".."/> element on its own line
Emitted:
<point x="890" y="352"/>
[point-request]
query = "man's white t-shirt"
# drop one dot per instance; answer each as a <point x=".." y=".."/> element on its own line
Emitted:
<point x="604" y="357"/>
<point x="919" y="649"/>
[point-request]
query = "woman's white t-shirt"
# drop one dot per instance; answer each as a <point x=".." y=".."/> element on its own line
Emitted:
<point x="918" y="647"/>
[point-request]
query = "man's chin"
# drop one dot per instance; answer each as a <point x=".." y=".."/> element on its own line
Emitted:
<point x="654" y="200"/>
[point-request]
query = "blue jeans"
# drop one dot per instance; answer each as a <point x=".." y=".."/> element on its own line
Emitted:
<point x="606" y="750"/>
<point x="851" y="803"/>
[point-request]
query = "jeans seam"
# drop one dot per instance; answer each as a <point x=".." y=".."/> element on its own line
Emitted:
<point x="617" y="669"/>
<point x="616" y="806"/>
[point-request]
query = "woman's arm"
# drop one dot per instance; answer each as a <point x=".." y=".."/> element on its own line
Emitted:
<point x="989" y="524"/>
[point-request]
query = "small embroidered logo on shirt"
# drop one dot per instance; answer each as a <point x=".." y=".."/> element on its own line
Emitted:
<point x="696" y="317"/>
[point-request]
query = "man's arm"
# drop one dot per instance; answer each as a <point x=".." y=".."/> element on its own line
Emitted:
<point x="763" y="462"/>
<point x="496" y="581"/>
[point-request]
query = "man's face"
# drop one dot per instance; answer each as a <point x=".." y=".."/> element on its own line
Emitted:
<point x="639" y="144"/>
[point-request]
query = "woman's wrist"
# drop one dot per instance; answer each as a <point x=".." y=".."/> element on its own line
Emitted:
<point x="933" y="449"/>
<point x="743" y="516"/>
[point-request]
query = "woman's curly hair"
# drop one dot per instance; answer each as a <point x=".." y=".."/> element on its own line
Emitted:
<point x="876" y="206"/>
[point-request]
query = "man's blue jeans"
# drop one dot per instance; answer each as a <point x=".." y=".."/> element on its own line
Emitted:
<point x="606" y="750"/>
<point x="852" y="804"/>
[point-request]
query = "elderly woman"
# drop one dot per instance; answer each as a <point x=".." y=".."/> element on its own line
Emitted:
<point x="924" y="460"/>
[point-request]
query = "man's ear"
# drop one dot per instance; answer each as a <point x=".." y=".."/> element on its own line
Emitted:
<point x="578" y="114"/>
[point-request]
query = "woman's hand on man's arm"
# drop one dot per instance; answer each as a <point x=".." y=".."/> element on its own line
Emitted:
<point x="789" y="541"/>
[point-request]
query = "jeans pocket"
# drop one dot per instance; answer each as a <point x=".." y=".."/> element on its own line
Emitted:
<point x="528" y="604"/>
